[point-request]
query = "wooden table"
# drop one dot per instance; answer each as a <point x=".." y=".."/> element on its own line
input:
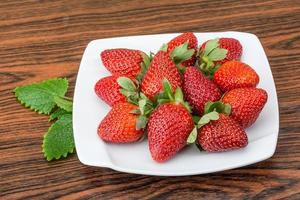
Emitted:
<point x="44" y="39"/>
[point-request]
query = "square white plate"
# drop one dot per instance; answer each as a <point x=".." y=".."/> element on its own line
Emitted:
<point x="89" y="110"/>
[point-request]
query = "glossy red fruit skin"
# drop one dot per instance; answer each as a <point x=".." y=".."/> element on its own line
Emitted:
<point x="108" y="90"/>
<point x="179" y="40"/>
<point x="233" y="46"/>
<point x="246" y="104"/>
<point x="119" y="124"/>
<point x="198" y="89"/>
<point x="161" y="67"/>
<point x="235" y="74"/>
<point x="122" y="61"/>
<point x="223" y="134"/>
<point x="168" y="129"/>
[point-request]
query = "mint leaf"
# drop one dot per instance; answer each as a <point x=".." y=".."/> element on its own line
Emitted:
<point x="58" y="114"/>
<point x="59" y="141"/>
<point x="40" y="96"/>
<point x="63" y="103"/>
<point x="218" y="54"/>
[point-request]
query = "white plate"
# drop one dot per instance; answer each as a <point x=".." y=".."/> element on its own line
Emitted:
<point x="88" y="111"/>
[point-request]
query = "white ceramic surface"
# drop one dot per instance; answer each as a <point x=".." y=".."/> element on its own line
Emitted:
<point x="89" y="110"/>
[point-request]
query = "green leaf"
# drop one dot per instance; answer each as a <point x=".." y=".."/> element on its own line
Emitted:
<point x="193" y="136"/>
<point x="133" y="100"/>
<point x="142" y="104"/>
<point x="211" y="45"/>
<point x="58" y="114"/>
<point x="148" y="109"/>
<point x="164" y="48"/>
<point x="168" y="89"/>
<point x="136" y="112"/>
<point x="217" y="106"/>
<point x="208" y="107"/>
<point x="179" y="95"/>
<point x="63" y="103"/>
<point x="127" y="93"/>
<point x="196" y="119"/>
<point x="205" y="119"/>
<point x="143" y="96"/>
<point x="162" y="101"/>
<point x="182" y="53"/>
<point x="144" y="67"/>
<point x="59" y="141"/>
<point x="227" y="109"/>
<point x="40" y="96"/>
<point x="141" y="122"/>
<point x="146" y="60"/>
<point x="127" y="84"/>
<point x="218" y="54"/>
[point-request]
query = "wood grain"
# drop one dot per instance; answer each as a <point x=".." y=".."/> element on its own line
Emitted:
<point x="44" y="39"/>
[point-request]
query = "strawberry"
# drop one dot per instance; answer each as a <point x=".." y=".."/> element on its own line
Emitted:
<point x="214" y="53"/>
<point x="222" y="134"/>
<point x="125" y="62"/>
<point x="246" y="104"/>
<point x="161" y="67"/>
<point x="119" y="125"/>
<point x="169" y="126"/>
<point x="192" y="44"/>
<point x="108" y="90"/>
<point x="198" y="89"/>
<point x="235" y="74"/>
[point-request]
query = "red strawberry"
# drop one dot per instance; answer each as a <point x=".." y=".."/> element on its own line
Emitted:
<point x="123" y="61"/>
<point x="169" y="125"/>
<point x="119" y="125"/>
<point x="168" y="129"/>
<point x="235" y="74"/>
<point x="218" y="51"/>
<point x="161" y="67"/>
<point x="222" y="135"/>
<point x="198" y="89"/>
<point x="108" y="90"/>
<point x="192" y="44"/>
<point x="246" y="104"/>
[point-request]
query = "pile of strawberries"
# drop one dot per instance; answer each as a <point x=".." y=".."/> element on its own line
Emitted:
<point x="179" y="96"/>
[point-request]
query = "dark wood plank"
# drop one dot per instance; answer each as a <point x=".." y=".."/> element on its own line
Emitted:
<point x="43" y="39"/>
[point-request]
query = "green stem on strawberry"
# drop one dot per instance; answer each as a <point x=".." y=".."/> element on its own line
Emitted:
<point x="168" y="96"/>
<point x="211" y="53"/>
<point x="180" y="54"/>
<point x="144" y="66"/>
<point x="211" y="113"/>
<point x="134" y="96"/>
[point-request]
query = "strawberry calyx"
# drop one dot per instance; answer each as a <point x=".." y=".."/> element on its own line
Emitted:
<point x="180" y="54"/>
<point x="129" y="89"/>
<point x="209" y="55"/>
<point x="211" y="113"/>
<point x="144" y="65"/>
<point x="134" y="96"/>
<point x="168" y="96"/>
